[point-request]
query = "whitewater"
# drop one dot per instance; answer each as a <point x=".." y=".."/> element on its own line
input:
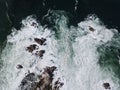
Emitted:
<point x="78" y="52"/>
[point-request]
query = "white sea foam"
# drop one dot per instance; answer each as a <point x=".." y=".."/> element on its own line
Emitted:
<point x="76" y="60"/>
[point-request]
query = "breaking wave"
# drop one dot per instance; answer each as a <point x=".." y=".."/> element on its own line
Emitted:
<point x="63" y="57"/>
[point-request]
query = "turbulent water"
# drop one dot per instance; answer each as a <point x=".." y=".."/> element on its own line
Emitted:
<point x="86" y="56"/>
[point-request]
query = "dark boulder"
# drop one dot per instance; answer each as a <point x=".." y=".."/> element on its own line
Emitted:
<point x="28" y="82"/>
<point x="106" y="85"/>
<point x="40" y="41"/>
<point x="91" y="29"/>
<point x="31" y="48"/>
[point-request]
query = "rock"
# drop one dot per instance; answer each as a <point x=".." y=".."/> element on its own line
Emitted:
<point x="50" y="70"/>
<point x="31" y="48"/>
<point x="40" y="53"/>
<point x="44" y="81"/>
<point x="58" y="84"/>
<point x="40" y="41"/>
<point x="106" y="85"/>
<point x="19" y="66"/>
<point x="91" y="29"/>
<point x="28" y="82"/>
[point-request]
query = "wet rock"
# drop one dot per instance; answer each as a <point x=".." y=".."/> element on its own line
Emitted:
<point x="106" y="85"/>
<point x="31" y="48"/>
<point x="40" y="53"/>
<point x="40" y="41"/>
<point x="19" y="66"/>
<point x="50" y="70"/>
<point x="44" y="81"/>
<point x="28" y="82"/>
<point x="91" y="29"/>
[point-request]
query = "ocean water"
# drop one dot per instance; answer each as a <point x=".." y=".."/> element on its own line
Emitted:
<point x="86" y="55"/>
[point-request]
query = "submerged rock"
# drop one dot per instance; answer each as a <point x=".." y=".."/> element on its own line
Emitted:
<point x="19" y="66"/>
<point x="34" y="24"/>
<point x="31" y="48"/>
<point x="106" y="85"/>
<point x="40" y="41"/>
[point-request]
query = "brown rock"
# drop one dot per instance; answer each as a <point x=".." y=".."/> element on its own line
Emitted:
<point x="41" y="82"/>
<point x="40" y="41"/>
<point x="50" y="70"/>
<point x="31" y="48"/>
<point x="46" y="79"/>
<point x="106" y="85"/>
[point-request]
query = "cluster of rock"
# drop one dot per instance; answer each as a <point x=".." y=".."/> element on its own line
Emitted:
<point x="33" y="47"/>
<point x="44" y="81"/>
